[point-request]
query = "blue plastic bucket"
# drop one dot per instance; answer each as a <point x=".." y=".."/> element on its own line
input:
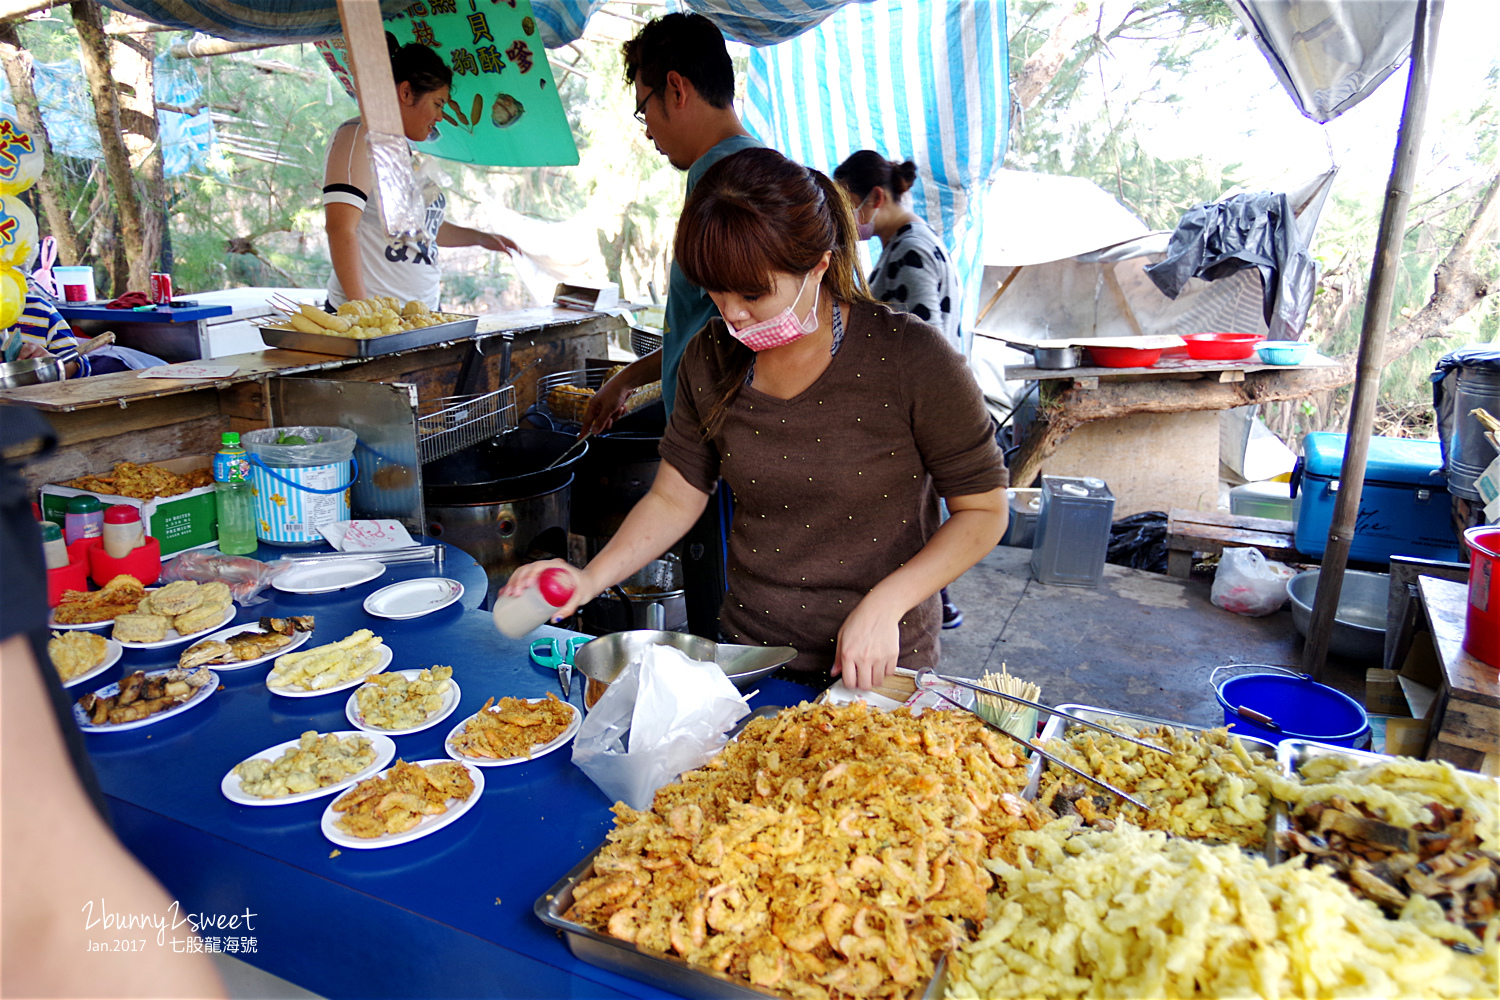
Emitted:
<point x="1301" y="708"/>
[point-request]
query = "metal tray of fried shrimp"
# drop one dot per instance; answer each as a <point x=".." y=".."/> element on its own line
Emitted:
<point x="1057" y="727"/>
<point x="350" y="347"/>
<point x="655" y="968"/>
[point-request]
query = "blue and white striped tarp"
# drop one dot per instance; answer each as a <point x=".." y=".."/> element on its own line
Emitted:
<point x="925" y="80"/>
<point x="248" y="20"/>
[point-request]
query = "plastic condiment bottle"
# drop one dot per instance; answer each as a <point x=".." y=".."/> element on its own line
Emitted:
<point x="85" y="519"/>
<point x="515" y="616"/>
<point x="236" y="506"/>
<point x="122" y="530"/>
<point x="54" y="549"/>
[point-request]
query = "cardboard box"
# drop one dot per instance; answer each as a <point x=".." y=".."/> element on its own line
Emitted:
<point x="186" y="521"/>
<point x="1383" y="693"/>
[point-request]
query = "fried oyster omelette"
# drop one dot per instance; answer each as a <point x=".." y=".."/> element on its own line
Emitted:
<point x="830" y="851"/>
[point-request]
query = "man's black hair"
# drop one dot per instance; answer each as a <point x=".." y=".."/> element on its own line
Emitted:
<point x="690" y="44"/>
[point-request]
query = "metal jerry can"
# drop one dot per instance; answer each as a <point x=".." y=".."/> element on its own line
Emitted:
<point x="1072" y="531"/>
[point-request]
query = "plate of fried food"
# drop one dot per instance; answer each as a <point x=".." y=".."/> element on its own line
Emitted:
<point x="309" y="767"/>
<point x="239" y="646"/>
<point x="175" y="613"/>
<point x="81" y="656"/>
<point x="143" y="482"/>
<point x="97" y="608"/>
<point x="405" y="803"/>
<point x="513" y="731"/>
<point x="337" y="666"/>
<point x="403" y="701"/>
<point x="142" y="699"/>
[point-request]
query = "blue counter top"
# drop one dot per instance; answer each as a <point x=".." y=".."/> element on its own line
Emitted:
<point x="156" y="314"/>
<point x="449" y="915"/>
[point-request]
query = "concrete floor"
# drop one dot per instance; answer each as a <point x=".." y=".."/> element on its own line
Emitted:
<point x="1142" y="642"/>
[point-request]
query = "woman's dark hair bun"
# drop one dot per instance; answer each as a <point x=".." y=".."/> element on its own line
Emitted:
<point x="392" y="44"/>
<point x="903" y="176"/>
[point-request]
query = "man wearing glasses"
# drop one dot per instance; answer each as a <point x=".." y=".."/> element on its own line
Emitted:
<point x="684" y="96"/>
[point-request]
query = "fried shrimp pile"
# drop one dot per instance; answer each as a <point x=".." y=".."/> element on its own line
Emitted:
<point x="1210" y="786"/>
<point x="830" y="851"/>
<point x="513" y="727"/>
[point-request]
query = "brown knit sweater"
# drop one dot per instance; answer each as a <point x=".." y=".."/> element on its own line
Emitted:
<point x="837" y="487"/>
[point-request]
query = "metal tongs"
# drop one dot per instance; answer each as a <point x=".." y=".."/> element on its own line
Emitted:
<point x="924" y="681"/>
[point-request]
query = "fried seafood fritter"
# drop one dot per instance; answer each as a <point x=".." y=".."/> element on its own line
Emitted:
<point x="830" y="851"/>
<point x="74" y="654"/>
<point x="1210" y="787"/>
<point x="513" y="727"/>
<point x="119" y="596"/>
<point x="143" y="482"/>
<point x="317" y="761"/>
<point x="390" y="701"/>
<point x="397" y="800"/>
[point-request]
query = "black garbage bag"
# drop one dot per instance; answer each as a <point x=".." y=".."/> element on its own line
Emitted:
<point x="1139" y="541"/>
<point x="1248" y="230"/>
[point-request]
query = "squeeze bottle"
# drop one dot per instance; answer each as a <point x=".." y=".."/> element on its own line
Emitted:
<point x="84" y="519"/>
<point x="515" y="616"/>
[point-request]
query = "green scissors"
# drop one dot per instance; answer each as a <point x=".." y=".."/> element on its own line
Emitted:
<point x="557" y="654"/>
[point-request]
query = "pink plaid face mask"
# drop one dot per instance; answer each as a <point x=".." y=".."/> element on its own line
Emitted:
<point x="783" y="328"/>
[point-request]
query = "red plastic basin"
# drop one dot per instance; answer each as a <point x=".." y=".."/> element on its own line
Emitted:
<point x="1221" y="346"/>
<point x="1124" y="357"/>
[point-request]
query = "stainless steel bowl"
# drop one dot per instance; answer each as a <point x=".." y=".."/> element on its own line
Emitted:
<point x="602" y="660"/>
<point x="30" y="371"/>
<point x="1359" y="623"/>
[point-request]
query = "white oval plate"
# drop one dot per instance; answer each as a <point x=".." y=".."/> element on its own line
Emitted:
<point x="386" y="656"/>
<point x="385" y="752"/>
<point x="450" y="702"/>
<point x="52" y="622"/>
<point x="537" y="750"/>
<point x="298" y="639"/>
<point x="197" y="699"/>
<point x="324" y="578"/>
<point x="414" y="598"/>
<point x="172" y="638"/>
<point x="429" y="824"/>
<point x="111" y="657"/>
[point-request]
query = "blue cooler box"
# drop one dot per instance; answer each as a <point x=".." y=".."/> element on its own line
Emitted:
<point x="1404" y="509"/>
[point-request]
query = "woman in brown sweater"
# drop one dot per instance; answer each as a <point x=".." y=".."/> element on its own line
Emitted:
<point x="837" y="423"/>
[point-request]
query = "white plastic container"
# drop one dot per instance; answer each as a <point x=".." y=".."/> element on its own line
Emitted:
<point x="122" y="530"/>
<point x="76" y="284"/>
<point x="1268" y="499"/>
<point x="516" y="616"/>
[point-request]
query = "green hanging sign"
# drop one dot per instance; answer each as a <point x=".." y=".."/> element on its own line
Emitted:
<point x="503" y="110"/>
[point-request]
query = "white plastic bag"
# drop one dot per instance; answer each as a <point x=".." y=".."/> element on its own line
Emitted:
<point x="1248" y="583"/>
<point x="665" y="714"/>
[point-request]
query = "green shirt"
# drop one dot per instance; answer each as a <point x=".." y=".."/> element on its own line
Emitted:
<point x="688" y="307"/>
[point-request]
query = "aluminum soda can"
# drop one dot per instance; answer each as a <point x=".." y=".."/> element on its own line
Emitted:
<point x="161" y="288"/>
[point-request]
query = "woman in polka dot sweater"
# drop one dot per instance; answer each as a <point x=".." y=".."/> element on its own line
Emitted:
<point x="839" y="425"/>
<point x="914" y="274"/>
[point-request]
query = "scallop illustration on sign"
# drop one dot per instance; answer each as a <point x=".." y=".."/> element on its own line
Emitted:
<point x="506" y="111"/>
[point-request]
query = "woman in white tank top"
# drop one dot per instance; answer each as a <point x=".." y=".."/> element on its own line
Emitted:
<point x="366" y="261"/>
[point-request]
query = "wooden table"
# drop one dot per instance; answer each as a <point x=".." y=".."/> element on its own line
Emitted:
<point x="1465" y="723"/>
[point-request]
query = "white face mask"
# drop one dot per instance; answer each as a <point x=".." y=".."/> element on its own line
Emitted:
<point x="866" y="229"/>
<point x="783" y="328"/>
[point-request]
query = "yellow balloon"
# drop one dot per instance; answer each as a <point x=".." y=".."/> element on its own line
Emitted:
<point x="20" y="159"/>
<point x="18" y="233"/>
<point x="12" y="297"/>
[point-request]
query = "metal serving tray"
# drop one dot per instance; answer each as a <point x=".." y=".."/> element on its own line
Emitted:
<point x="348" y="347"/>
<point x="655" y="968"/>
<point x="1292" y="754"/>
<point x="1056" y="729"/>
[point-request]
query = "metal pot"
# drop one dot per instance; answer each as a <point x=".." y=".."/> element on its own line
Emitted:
<point x="30" y="371"/>
<point x="602" y="660"/>
<point x="1055" y="358"/>
<point x="628" y="604"/>
<point x="503" y="536"/>
<point x="619" y="471"/>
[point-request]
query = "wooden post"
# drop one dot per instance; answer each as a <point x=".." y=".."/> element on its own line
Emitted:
<point x="370" y="61"/>
<point x="1372" y="337"/>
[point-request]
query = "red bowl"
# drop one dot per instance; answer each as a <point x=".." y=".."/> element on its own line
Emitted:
<point x="1124" y="357"/>
<point x="1221" y="346"/>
